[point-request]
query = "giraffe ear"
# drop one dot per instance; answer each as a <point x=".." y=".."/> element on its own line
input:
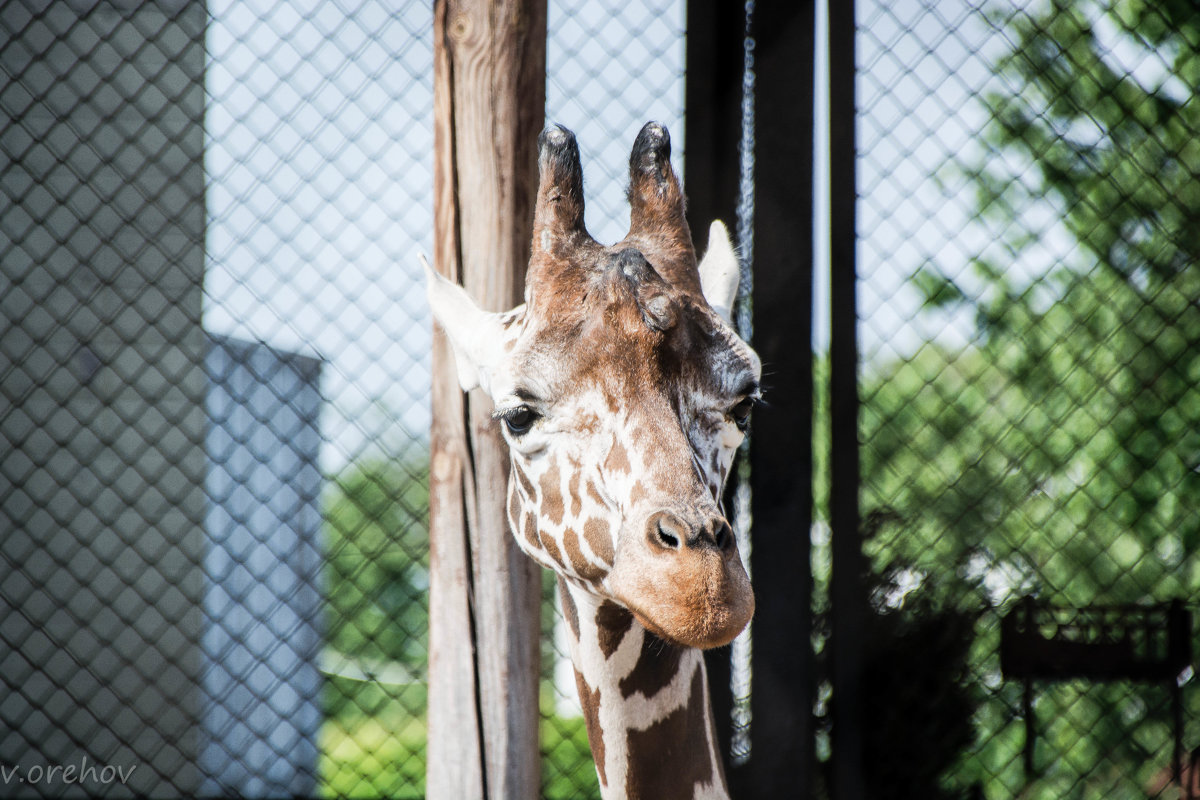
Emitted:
<point x="476" y="336"/>
<point x="720" y="271"/>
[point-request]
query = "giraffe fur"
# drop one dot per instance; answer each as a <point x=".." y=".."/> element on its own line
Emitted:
<point x="623" y="393"/>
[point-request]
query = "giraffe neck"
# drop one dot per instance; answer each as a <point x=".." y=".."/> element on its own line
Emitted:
<point x="646" y="705"/>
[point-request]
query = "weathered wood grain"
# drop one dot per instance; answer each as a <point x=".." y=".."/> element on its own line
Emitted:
<point x="489" y="96"/>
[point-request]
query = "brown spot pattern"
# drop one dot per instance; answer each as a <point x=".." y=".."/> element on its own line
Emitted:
<point x="529" y="528"/>
<point x="551" y="501"/>
<point x="618" y="459"/>
<point x="551" y="547"/>
<point x="643" y="436"/>
<point x="613" y="623"/>
<point x="570" y="611"/>
<point x="514" y="510"/>
<point x="523" y="480"/>
<point x="671" y="756"/>
<point x="573" y="493"/>
<point x="589" y="700"/>
<point x="594" y="494"/>
<point x="584" y="568"/>
<point x="596" y="534"/>
<point x="656" y="666"/>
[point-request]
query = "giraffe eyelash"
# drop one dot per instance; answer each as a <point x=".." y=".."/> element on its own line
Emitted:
<point x="740" y="412"/>
<point x="518" y="419"/>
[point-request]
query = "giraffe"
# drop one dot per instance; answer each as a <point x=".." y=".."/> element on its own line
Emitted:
<point x="623" y="392"/>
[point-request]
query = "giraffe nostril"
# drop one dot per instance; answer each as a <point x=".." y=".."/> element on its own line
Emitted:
<point x="723" y="535"/>
<point x="666" y="531"/>
<point x="665" y="537"/>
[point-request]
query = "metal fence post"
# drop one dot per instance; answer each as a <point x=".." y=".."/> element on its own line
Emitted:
<point x="846" y="592"/>
<point x="714" y="66"/>
<point x="780" y="762"/>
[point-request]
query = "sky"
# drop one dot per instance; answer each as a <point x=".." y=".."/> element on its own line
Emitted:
<point x="319" y="166"/>
<point x="925" y="67"/>
<point x="320" y="175"/>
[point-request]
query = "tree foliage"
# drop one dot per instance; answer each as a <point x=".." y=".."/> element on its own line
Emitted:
<point x="377" y="577"/>
<point x="1065" y="446"/>
<point x="1060" y="454"/>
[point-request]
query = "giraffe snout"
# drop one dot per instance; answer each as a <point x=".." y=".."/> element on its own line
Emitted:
<point x="683" y="578"/>
<point x="669" y="530"/>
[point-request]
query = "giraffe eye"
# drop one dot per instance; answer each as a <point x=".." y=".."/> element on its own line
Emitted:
<point x="519" y="420"/>
<point x="740" y="414"/>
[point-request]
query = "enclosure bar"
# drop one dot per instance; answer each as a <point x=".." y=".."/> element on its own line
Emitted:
<point x="1028" y="746"/>
<point x="713" y="114"/>
<point x="1179" y="650"/>
<point x="712" y="172"/>
<point x="489" y="100"/>
<point x="846" y="582"/>
<point x="780" y="763"/>
<point x="1178" y="730"/>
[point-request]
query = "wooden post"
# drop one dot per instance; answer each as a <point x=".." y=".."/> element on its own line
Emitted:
<point x="489" y="104"/>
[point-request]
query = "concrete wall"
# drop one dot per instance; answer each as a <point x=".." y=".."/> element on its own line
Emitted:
<point x="262" y="689"/>
<point x="101" y="390"/>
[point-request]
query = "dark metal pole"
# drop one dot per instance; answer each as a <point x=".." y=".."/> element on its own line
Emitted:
<point x="846" y="589"/>
<point x="713" y="119"/>
<point x="1027" y="751"/>
<point x="715" y="44"/>
<point x="781" y="731"/>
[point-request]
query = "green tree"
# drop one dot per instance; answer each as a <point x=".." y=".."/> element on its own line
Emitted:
<point x="1081" y="405"/>
<point x="1114" y="362"/>
<point x="1061" y="454"/>
<point x="377" y="564"/>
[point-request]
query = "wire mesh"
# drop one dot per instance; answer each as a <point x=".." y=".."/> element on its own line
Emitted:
<point x="215" y="380"/>
<point x="1031" y="340"/>
<point x="215" y="374"/>
<point x="610" y="67"/>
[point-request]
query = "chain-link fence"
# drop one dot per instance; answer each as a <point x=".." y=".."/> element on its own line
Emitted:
<point x="1029" y="275"/>
<point x="215" y="369"/>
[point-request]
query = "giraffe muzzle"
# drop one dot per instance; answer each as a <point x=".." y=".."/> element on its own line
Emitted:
<point x="684" y="580"/>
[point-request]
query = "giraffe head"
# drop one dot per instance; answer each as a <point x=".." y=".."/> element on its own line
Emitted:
<point x="623" y="393"/>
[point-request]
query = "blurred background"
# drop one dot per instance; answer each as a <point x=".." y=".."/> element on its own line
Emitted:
<point x="214" y="389"/>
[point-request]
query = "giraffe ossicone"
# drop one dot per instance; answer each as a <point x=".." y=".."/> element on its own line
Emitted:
<point x="623" y="393"/>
